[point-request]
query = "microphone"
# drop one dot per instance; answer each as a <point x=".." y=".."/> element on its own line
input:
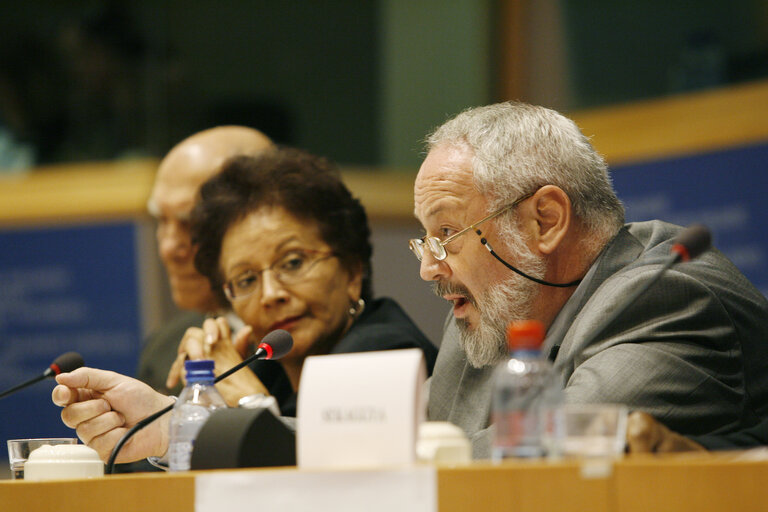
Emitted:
<point x="691" y="242"/>
<point x="688" y="244"/>
<point x="274" y="345"/>
<point x="63" y="364"/>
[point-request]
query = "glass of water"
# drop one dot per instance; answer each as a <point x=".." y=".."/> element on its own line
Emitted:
<point x="585" y="430"/>
<point x="19" y="450"/>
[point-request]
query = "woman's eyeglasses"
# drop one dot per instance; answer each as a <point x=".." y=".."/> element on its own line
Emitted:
<point x="289" y="269"/>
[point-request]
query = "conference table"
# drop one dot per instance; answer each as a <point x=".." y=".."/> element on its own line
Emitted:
<point x="680" y="483"/>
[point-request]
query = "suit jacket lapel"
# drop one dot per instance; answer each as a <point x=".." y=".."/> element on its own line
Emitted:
<point x="620" y="252"/>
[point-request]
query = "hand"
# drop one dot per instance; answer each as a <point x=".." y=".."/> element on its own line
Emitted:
<point x="646" y="435"/>
<point x="214" y="341"/>
<point x="200" y="343"/>
<point x="102" y="406"/>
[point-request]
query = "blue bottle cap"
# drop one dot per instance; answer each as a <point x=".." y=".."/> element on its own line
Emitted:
<point x="201" y="369"/>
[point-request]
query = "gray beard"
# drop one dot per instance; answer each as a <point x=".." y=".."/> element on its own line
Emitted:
<point x="502" y="303"/>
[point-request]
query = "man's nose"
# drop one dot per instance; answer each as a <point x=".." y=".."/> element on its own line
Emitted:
<point x="432" y="269"/>
<point x="174" y="240"/>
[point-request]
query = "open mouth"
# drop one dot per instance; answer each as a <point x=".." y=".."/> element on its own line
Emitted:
<point x="460" y="304"/>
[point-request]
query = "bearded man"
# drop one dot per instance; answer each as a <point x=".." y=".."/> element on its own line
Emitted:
<point x="522" y="222"/>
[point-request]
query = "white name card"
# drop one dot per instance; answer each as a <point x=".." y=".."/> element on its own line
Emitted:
<point x="360" y="410"/>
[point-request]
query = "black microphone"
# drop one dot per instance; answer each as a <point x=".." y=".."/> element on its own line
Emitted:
<point x="274" y="345"/>
<point x="63" y="364"/>
<point x="688" y="244"/>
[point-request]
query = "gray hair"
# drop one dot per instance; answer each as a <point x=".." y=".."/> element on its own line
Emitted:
<point x="518" y="148"/>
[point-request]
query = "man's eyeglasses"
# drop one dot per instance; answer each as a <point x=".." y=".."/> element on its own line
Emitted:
<point x="288" y="270"/>
<point x="437" y="246"/>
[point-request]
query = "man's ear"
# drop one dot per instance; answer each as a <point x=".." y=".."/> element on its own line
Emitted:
<point x="552" y="212"/>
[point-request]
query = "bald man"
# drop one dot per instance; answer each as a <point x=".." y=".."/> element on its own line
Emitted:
<point x="187" y="166"/>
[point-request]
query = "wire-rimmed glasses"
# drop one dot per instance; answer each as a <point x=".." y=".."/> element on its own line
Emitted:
<point x="437" y="246"/>
<point x="289" y="269"/>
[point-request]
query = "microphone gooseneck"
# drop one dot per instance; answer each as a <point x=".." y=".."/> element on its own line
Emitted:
<point x="690" y="243"/>
<point x="63" y="364"/>
<point x="274" y="345"/>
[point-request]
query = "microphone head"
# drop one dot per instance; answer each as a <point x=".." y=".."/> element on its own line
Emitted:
<point x="277" y="343"/>
<point x="66" y="363"/>
<point x="692" y="241"/>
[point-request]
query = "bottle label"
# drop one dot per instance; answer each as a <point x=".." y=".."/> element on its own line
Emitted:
<point x="517" y="434"/>
<point x="515" y="427"/>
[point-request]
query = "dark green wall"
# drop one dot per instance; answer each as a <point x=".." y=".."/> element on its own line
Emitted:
<point x="620" y="51"/>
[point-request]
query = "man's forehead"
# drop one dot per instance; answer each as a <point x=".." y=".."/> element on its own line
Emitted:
<point x="189" y="164"/>
<point x="175" y="190"/>
<point x="181" y="173"/>
<point x="445" y="178"/>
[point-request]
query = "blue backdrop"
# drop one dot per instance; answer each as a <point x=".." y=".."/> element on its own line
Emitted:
<point x="725" y="190"/>
<point x="62" y="289"/>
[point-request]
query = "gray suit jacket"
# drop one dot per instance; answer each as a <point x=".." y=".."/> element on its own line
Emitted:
<point x="692" y="351"/>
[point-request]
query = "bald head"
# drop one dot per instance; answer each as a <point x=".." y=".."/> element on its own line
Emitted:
<point x="187" y="166"/>
<point x="198" y="157"/>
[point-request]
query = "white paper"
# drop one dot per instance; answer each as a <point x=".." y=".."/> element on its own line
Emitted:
<point x="360" y="410"/>
<point x="408" y="490"/>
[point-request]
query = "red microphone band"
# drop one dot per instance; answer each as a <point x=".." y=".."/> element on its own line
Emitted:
<point x="55" y="368"/>
<point x="267" y="349"/>
<point x="682" y="251"/>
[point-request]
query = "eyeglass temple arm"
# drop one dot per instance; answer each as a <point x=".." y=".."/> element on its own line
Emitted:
<point x="474" y="226"/>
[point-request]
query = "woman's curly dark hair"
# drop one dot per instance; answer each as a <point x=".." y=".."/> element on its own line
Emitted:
<point x="306" y="186"/>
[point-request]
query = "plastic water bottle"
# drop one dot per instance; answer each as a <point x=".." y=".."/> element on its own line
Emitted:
<point x="195" y="404"/>
<point x="525" y="390"/>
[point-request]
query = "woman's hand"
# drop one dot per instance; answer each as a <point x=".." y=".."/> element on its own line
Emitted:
<point x="214" y="341"/>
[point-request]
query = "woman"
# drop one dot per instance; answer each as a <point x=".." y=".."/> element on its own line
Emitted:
<point x="284" y="240"/>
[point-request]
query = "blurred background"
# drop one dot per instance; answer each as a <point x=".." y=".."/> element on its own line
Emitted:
<point x="359" y="81"/>
<point x="93" y="93"/>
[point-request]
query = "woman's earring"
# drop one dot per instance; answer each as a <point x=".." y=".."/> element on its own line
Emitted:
<point x="356" y="308"/>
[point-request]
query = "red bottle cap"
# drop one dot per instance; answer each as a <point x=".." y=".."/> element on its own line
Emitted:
<point x="525" y="334"/>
